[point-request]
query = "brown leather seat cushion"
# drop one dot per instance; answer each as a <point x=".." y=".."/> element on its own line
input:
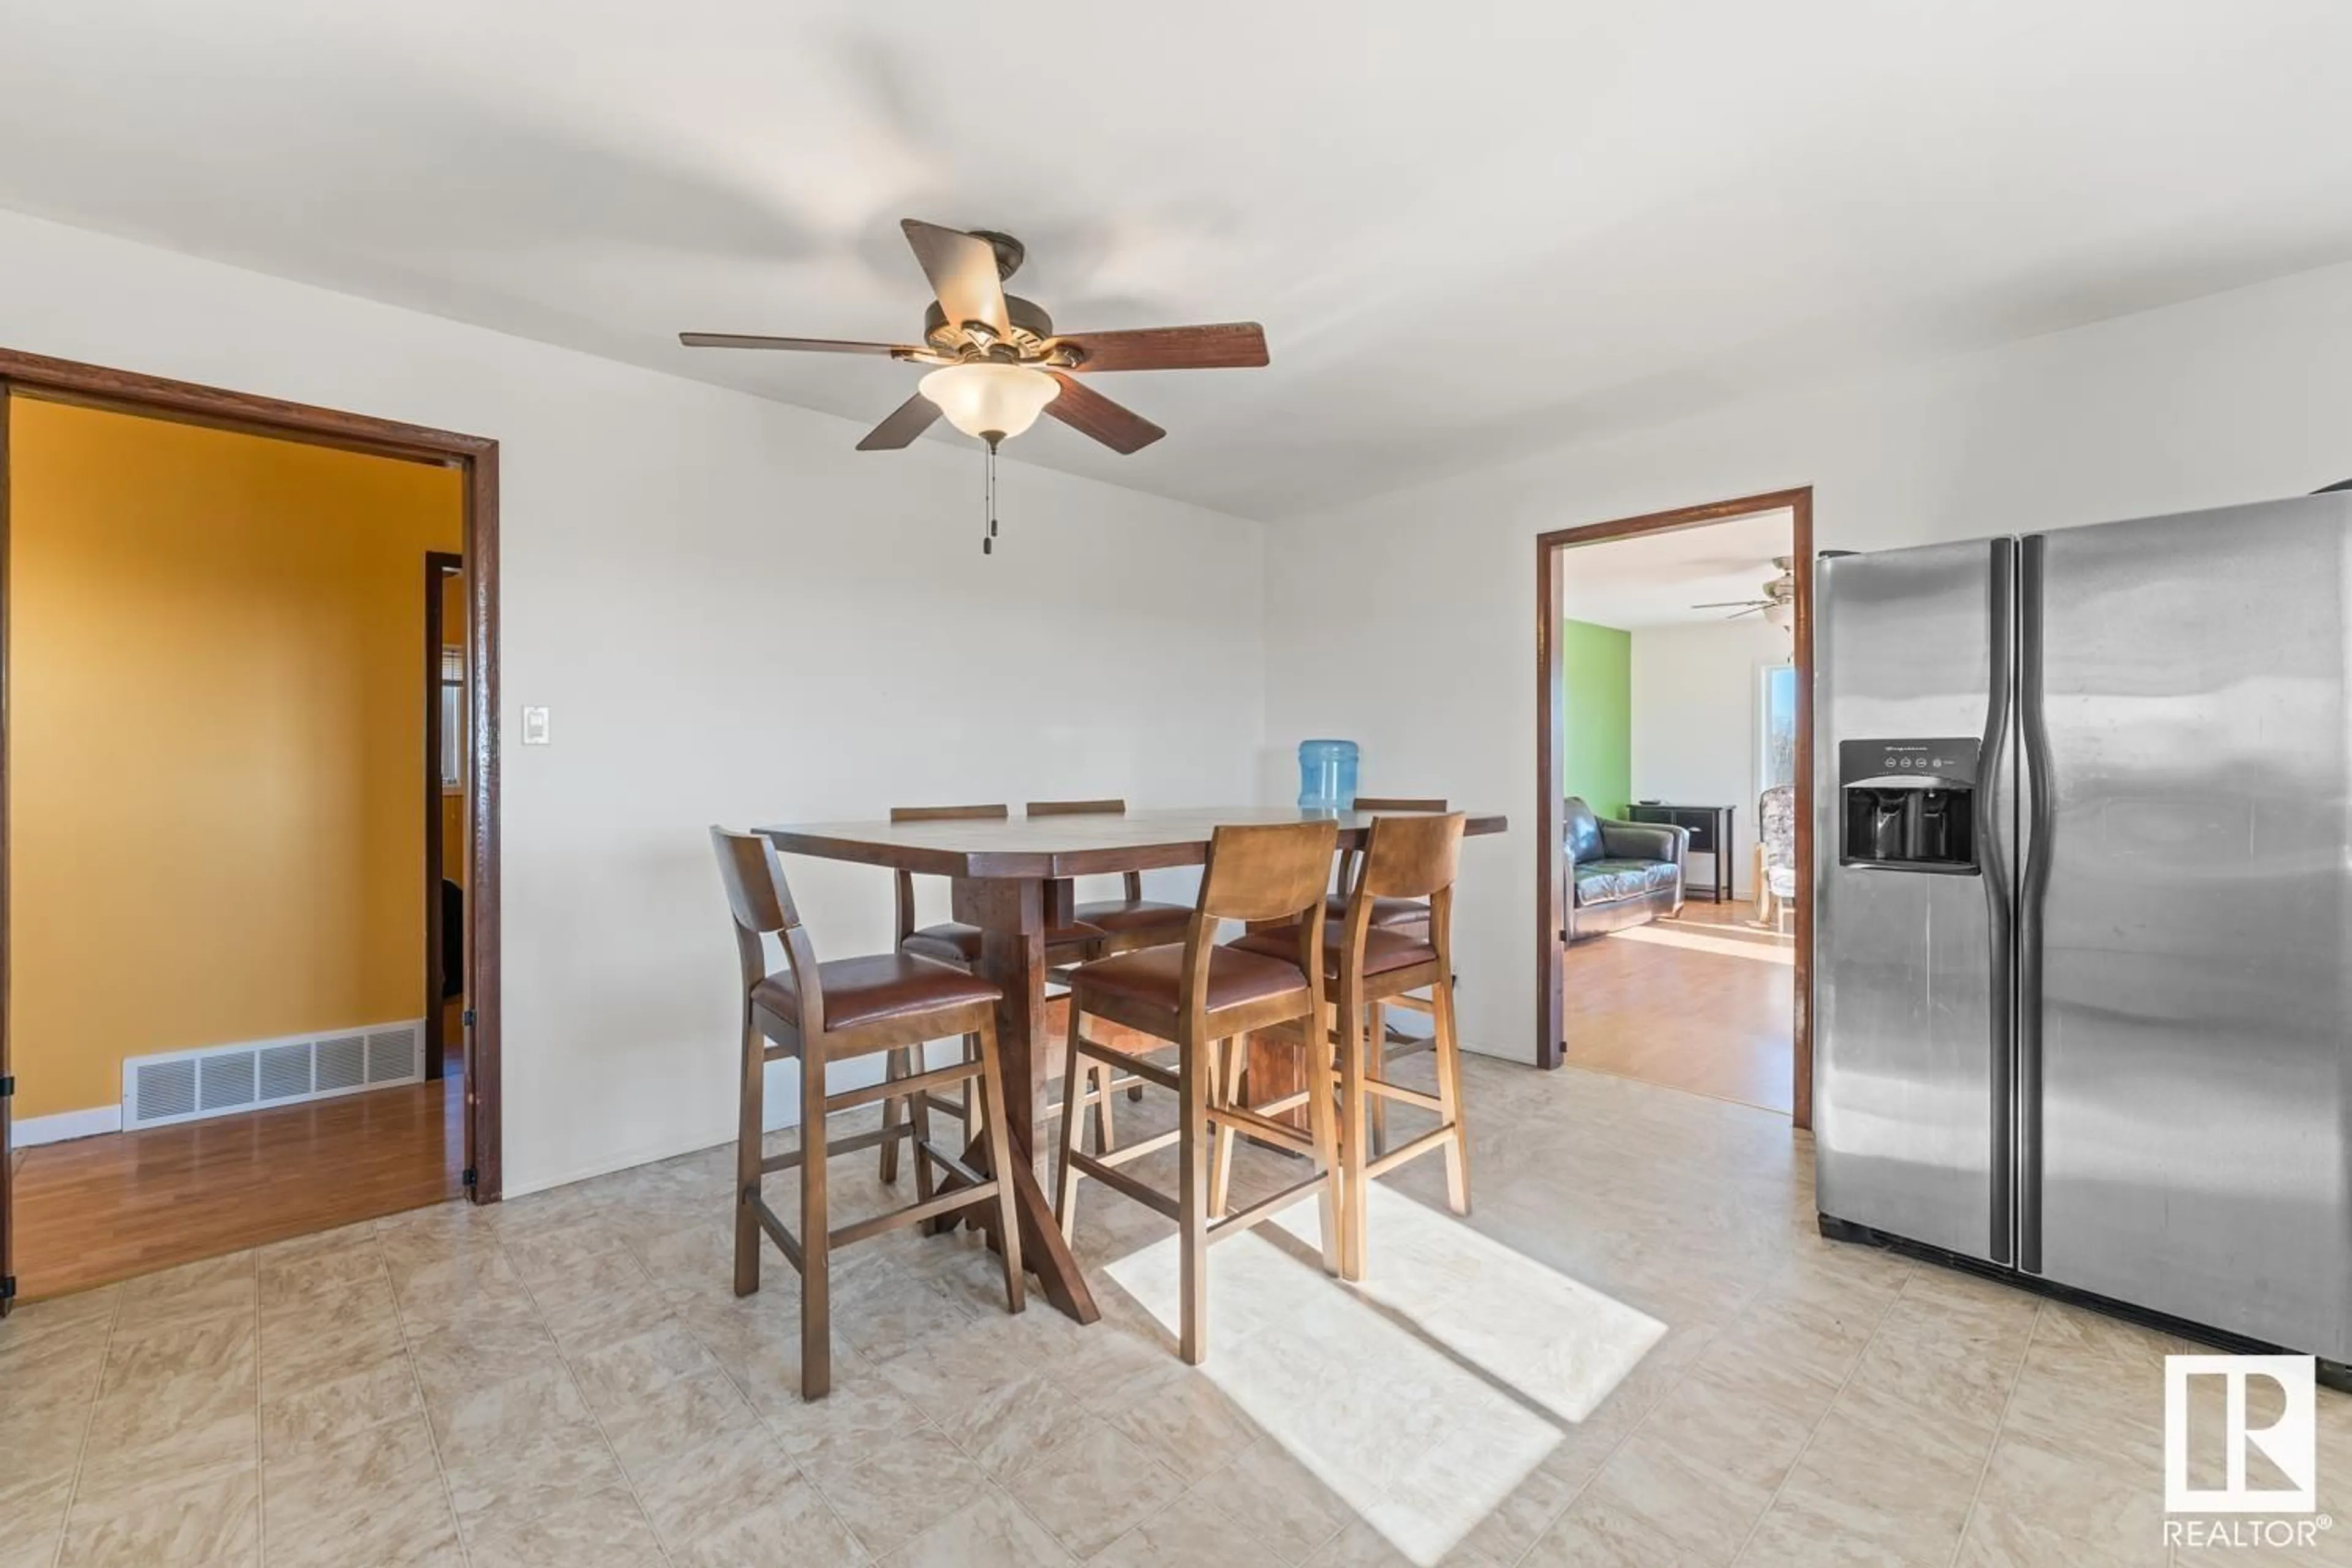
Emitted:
<point x="1155" y="976"/>
<point x="951" y="942"/>
<point x="1387" y="913"/>
<point x="866" y="990"/>
<point x="1383" y="950"/>
<point x="1130" y="917"/>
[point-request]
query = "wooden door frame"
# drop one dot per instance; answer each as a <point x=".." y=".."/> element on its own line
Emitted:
<point x="477" y="456"/>
<point x="438" y="564"/>
<point x="1551" y="862"/>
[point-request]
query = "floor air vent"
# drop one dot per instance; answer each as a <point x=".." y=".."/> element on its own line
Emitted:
<point x="165" y="1091"/>
<point x="342" y="1062"/>
<point x="184" y="1085"/>
<point x="391" y="1056"/>
<point x="284" y="1071"/>
<point x="225" y="1083"/>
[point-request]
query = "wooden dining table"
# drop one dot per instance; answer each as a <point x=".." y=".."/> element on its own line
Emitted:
<point x="1011" y="877"/>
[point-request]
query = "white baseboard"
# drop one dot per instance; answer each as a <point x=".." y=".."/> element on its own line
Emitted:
<point x="27" y="1131"/>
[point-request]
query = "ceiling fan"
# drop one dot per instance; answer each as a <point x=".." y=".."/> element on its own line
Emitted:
<point x="996" y="361"/>
<point x="1779" y="603"/>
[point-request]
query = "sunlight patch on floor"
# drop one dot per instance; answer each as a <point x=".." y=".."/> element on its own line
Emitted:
<point x="1421" y="1397"/>
<point x="1554" y="1342"/>
<point x="1729" y="947"/>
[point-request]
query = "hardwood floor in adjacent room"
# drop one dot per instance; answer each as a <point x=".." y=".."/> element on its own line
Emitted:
<point x="96" y="1210"/>
<point x="1703" y="1002"/>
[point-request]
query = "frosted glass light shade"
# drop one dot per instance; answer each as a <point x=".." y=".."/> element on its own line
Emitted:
<point x="981" y="399"/>
<point x="1780" y="613"/>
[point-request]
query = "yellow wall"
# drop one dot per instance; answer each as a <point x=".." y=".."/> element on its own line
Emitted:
<point x="216" y="742"/>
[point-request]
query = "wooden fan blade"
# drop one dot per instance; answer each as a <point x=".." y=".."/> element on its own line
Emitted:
<point x="962" y="270"/>
<point x="805" y="345"/>
<point x="1089" y="412"/>
<point x="1227" y="345"/>
<point x="908" y="420"/>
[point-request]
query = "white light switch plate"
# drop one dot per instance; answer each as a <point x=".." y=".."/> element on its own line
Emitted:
<point x="534" y="726"/>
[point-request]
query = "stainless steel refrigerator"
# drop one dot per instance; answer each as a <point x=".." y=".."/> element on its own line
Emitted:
<point x="2083" y="847"/>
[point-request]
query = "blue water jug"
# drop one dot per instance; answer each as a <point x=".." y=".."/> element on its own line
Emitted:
<point x="1327" y="775"/>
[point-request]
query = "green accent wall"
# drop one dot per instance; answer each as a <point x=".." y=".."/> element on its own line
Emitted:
<point x="1596" y="728"/>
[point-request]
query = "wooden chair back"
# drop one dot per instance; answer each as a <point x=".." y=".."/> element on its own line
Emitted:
<point x="1406" y="858"/>
<point x="906" y="879"/>
<point x="950" y="812"/>
<point x="1261" y="874"/>
<point x="761" y="903"/>
<point x="755" y="874"/>
<point x="1108" y="808"/>
<point x="1350" y="859"/>
<point x="1267" y="872"/>
<point x="1411" y="857"/>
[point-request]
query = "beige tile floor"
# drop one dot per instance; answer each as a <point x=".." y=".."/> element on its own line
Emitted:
<point x="1636" y="1354"/>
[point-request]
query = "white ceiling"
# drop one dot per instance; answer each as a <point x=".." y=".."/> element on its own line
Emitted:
<point x="1471" y="230"/>
<point x="1655" y="579"/>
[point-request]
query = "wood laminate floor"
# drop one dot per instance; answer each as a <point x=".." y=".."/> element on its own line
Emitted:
<point x="1703" y="1003"/>
<point x="97" y="1210"/>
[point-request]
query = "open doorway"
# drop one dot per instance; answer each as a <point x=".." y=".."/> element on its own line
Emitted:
<point x="1674" y="937"/>
<point x="225" y="1022"/>
<point x="444" y="812"/>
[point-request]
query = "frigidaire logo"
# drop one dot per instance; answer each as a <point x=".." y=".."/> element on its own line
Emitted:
<point x="2287" y="1443"/>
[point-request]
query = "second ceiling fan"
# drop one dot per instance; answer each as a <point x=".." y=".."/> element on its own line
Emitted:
<point x="997" y="361"/>
<point x="1779" y="603"/>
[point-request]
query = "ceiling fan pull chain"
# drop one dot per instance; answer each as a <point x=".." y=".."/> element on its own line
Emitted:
<point x="988" y="544"/>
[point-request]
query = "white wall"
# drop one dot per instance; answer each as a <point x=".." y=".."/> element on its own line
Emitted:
<point x="735" y="617"/>
<point x="1694" y="723"/>
<point x="2225" y="399"/>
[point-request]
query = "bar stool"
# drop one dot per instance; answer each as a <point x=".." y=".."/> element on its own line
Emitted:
<point x="1132" y="923"/>
<point x="1365" y="968"/>
<point x="1201" y="998"/>
<point x="1387" y="915"/>
<point x="822" y="1013"/>
<point x="951" y="942"/>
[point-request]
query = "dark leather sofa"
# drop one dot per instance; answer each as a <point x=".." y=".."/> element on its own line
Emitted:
<point x="1622" y="873"/>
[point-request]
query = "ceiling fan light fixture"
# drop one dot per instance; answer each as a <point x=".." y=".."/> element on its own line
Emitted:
<point x="1001" y="362"/>
<point x="983" y="399"/>
<point x="1781" y="612"/>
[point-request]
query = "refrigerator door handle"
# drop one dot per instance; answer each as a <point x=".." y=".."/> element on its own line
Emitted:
<point x="1991" y="831"/>
<point x="2033" y="737"/>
